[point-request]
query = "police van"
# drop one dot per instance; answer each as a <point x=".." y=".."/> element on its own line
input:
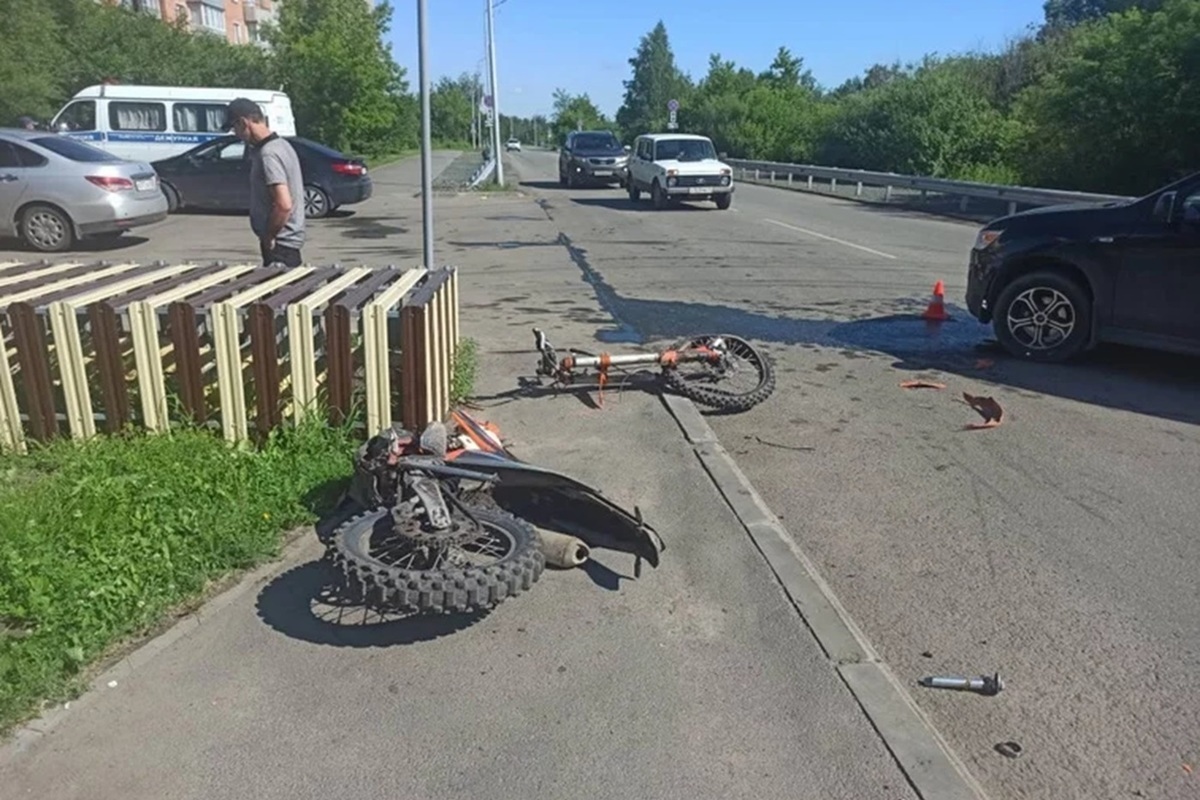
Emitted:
<point x="148" y="123"/>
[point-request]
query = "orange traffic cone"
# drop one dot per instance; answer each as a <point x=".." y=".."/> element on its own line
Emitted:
<point x="936" y="311"/>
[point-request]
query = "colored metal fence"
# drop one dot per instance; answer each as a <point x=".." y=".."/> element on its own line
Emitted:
<point x="103" y="345"/>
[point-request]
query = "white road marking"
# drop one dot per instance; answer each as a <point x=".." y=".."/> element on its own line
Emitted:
<point x="830" y="238"/>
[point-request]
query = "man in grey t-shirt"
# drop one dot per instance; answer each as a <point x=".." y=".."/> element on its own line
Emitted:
<point x="276" y="185"/>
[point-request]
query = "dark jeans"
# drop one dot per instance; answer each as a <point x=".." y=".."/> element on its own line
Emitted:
<point x="281" y="254"/>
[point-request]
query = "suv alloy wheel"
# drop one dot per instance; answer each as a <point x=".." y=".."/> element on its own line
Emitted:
<point x="1043" y="316"/>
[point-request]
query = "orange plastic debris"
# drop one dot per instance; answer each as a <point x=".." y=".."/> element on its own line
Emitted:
<point x="987" y="408"/>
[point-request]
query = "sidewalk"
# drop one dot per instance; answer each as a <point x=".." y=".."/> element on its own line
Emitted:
<point x="696" y="680"/>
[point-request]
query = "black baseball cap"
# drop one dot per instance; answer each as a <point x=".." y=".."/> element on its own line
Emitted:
<point x="241" y="108"/>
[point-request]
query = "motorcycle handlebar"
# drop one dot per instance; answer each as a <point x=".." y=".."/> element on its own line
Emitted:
<point x="450" y="472"/>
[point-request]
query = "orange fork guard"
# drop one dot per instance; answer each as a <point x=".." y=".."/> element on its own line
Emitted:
<point x="605" y="362"/>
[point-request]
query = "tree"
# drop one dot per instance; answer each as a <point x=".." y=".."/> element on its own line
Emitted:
<point x="932" y="121"/>
<point x="718" y="107"/>
<point x="346" y="90"/>
<point x="787" y="72"/>
<point x="1067" y="13"/>
<point x="655" y="81"/>
<point x="575" y="112"/>
<point x="1120" y="110"/>
<point x="31" y="58"/>
<point x="453" y="105"/>
<point x="50" y="50"/>
<point x="1108" y="101"/>
<point x="134" y="47"/>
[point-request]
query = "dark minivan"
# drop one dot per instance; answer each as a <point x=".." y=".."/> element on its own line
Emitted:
<point x="216" y="176"/>
<point x="1057" y="281"/>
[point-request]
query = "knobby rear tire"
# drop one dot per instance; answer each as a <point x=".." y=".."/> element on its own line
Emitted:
<point x="720" y="399"/>
<point x="448" y="590"/>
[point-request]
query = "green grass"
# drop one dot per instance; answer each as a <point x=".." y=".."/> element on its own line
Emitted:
<point x="466" y="364"/>
<point x="100" y="541"/>
<point x="104" y="541"/>
<point x="490" y="185"/>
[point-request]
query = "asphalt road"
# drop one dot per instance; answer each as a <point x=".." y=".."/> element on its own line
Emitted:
<point x="1058" y="549"/>
<point x="698" y="679"/>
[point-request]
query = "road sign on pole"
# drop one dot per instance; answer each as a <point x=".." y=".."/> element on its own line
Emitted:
<point x="673" y="107"/>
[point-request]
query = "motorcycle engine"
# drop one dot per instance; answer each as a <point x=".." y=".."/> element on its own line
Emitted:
<point x="374" y="482"/>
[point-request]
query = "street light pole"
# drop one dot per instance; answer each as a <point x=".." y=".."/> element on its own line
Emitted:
<point x="426" y="144"/>
<point x="491" y="29"/>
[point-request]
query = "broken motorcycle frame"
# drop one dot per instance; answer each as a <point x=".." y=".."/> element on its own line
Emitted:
<point x="699" y="368"/>
<point x="438" y="530"/>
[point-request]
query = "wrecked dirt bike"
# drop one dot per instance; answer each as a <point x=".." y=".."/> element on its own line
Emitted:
<point x="718" y="359"/>
<point x="446" y="521"/>
<point x="418" y="546"/>
<point x="552" y="501"/>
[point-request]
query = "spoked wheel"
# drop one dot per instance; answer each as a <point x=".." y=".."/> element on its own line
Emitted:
<point x="401" y="567"/>
<point x="740" y="380"/>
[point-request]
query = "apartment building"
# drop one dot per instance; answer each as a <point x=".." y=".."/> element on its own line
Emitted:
<point x="239" y="21"/>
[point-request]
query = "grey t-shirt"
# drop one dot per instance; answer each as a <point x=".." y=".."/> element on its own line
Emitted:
<point x="275" y="161"/>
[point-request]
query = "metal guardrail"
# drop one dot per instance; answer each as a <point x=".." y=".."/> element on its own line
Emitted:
<point x="229" y="343"/>
<point x="772" y="172"/>
<point x="483" y="173"/>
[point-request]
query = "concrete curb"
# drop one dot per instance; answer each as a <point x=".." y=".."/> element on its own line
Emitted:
<point x="24" y="737"/>
<point x="926" y="760"/>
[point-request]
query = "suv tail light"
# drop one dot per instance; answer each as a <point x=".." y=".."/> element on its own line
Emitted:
<point x="349" y="168"/>
<point x="111" y="183"/>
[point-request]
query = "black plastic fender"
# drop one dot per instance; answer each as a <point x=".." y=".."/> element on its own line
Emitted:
<point x="549" y="499"/>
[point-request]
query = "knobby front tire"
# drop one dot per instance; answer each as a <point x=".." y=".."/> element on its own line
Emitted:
<point x="701" y="388"/>
<point x="449" y="589"/>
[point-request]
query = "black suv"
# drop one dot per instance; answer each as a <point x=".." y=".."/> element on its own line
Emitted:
<point x="1058" y="280"/>
<point x="592" y="157"/>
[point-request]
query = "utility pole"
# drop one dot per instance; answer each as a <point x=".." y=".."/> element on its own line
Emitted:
<point x="475" y="122"/>
<point x="491" y="29"/>
<point x="426" y="144"/>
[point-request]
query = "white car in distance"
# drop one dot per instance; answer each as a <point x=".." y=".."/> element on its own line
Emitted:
<point x="513" y="144"/>
<point x="673" y="167"/>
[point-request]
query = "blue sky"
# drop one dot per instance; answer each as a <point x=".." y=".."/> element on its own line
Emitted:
<point x="585" y="46"/>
